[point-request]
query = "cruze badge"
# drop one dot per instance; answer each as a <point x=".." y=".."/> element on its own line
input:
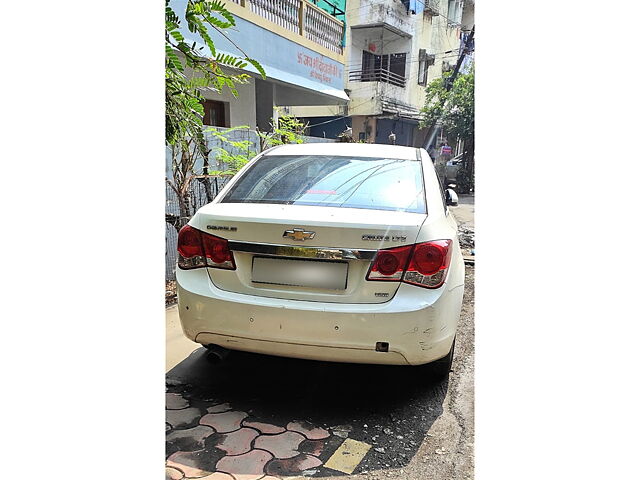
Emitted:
<point x="298" y="234"/>
<point x="385" y="238"/>
<point x="222" y="227"/>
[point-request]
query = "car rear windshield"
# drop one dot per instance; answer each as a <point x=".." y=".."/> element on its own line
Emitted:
<point x="332" y="181"/>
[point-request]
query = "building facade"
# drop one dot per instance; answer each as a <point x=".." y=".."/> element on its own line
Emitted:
<point x="393" y="48"/>
<point x="299" y="44"/>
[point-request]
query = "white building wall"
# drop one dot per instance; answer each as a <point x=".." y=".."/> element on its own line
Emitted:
<point x="242" y="110"/>
<point x="437" y="34"/>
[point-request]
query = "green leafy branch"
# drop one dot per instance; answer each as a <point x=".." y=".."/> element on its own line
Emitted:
<point x="231" y="160"/>
<point x="189" y="68"/>
<point x="288" y="129"/>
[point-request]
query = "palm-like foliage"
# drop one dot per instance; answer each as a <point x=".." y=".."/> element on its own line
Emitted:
<point x="189" y="68"/>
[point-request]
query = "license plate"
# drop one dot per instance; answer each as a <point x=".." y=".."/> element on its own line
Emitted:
<point x="300" y="273"/>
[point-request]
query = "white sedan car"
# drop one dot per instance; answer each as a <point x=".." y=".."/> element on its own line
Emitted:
<point x="336" y="252"/>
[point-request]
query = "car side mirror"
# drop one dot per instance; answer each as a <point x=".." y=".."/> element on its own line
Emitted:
<point x="451" y="197"/>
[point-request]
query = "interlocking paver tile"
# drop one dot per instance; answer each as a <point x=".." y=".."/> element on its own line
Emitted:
<point x="173" y="474"/>
<point x="238" y="442"/>
<point x="175" y="401"/>
<point x="264" y="427"/>
<point x="282" y="445"/>
<point x="221" y="476"/>
<point x="293" y="466"/>
<point x="224" y="422"/>
<point x="180" y="418"/>
<point x="312" y="447"/>
<point x="223" y="407"/>
<point x="249" y="466"/>
<point x="190" y="438"/>
<point x="189" y="463"/>
<point x="308" y="430"/>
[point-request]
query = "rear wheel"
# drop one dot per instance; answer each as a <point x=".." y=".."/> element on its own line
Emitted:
<point x="440" y="368"/>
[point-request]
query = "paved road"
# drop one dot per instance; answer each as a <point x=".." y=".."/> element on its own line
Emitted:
<point x="284" y="418"/>
<point x="465" y="211"/>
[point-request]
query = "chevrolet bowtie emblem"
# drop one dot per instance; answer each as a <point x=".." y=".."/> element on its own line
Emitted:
<point x="298" y="234"/>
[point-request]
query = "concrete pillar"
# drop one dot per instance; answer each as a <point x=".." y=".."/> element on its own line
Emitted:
<point x="265" y="102"/>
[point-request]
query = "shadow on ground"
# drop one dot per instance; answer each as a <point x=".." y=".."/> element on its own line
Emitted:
<point x="390" y="408"/>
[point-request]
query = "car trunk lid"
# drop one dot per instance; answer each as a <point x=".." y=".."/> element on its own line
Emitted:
<point x="304" y="252"/>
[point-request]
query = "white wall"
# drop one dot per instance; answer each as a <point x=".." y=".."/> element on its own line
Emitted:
<point x="429" y="33"/>
<point x="242" y="109"/>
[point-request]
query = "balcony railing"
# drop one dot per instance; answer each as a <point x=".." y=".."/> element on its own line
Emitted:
<point x="322" y="28"/>
<point x="301" y="17"/>
<point x="377" y="75"/>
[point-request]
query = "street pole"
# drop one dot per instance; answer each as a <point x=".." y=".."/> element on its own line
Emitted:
<point x="450" y="80"/>
<point x="448" y="85"/>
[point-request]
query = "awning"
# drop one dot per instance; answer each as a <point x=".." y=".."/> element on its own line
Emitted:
<point x="292" y="90"/>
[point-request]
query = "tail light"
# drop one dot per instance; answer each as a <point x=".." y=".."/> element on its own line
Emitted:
<point x="197" y="249"/>
<point x="390" y="264"/>
<point x="423" y="264"/>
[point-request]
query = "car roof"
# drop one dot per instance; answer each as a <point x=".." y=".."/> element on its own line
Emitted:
<point x="347" y="150"/>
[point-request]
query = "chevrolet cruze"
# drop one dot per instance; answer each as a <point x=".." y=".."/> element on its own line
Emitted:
<point x="336" y="252"/>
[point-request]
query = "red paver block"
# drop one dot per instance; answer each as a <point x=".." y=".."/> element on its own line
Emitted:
<point x="283" y="445"/>
<point x="195" y="434"/>
<point x="249" y="466"/>
<point x="293" y="466"/>
<point x="308" y="430"/>
<point x="174" y="401"/>
<point x="264" y="427"/>
<point x="238" y="442"/>
<point x="186" y="462"/>
<point x="220" y="476"/>
<point x="173" y="474"/>
<point x="180" y="418"/>
<point x="224" y="422"/>
<point x="312" y="447"/>
<point x="222" y="407"/>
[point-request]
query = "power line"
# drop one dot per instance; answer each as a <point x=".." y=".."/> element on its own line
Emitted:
<point x="415" y="60"/>
<point x="341" y="116"/>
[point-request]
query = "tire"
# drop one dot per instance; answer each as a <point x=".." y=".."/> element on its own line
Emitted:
<point x="440" y="368"/>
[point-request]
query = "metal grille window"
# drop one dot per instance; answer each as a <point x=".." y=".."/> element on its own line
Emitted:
<point x="397" y="63"/>
<point x="389" y="68"/>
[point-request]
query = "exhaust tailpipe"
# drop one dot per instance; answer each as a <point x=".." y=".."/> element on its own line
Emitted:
<point x="216" y="353"/>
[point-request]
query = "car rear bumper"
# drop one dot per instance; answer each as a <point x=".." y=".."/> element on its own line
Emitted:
<point x="418" y="324"/>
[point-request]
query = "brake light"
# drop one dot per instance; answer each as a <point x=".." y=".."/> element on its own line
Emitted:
<point x="197" y="249"/>
<point x="429" y="264"/>
<point x="389" y="264"/>
<point x="423" y="264"/>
